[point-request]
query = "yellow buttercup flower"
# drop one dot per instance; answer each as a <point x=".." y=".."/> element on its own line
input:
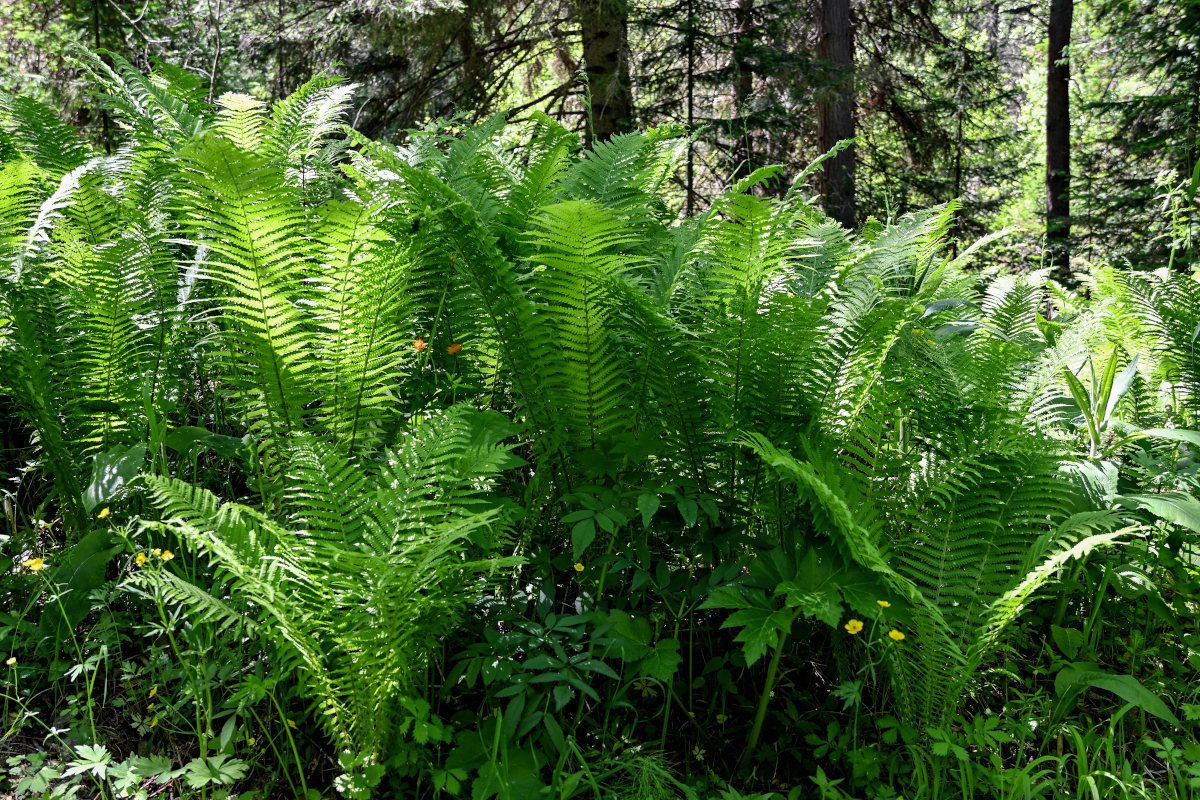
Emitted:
<point x="884" y="603"/>
<point x="153" y="692"/>
<point x="12" y="661"/>
<point x="854" y="626"/>
<point x="291" y="724"/>
<point x="167" y="555"/>
<point x="896" y="635"/>
<point x="578" y="566"/>
<point x="251" y="741"/>
<point x="140" y="558"/>
<point x="156" y="551"/>
<point x="153" y="722"/>
<point x="104" y="512"/>
<point x="34" y="564"/>
<point x="918" y="331"/>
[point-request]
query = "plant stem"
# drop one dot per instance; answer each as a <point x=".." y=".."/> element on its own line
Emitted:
<point x="760" y="714"/>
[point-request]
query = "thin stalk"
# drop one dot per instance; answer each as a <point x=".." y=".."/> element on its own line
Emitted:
<point x="760" y="714"/>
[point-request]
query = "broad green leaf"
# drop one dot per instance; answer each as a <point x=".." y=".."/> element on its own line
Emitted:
<point x="111" y="472"/>
<point x="1074" y="678"/>
<point x="1177" y="508"/>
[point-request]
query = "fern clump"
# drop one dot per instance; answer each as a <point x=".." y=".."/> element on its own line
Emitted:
<point x="310" y="358"/>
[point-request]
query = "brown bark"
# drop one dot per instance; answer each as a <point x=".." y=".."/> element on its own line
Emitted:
<point x="1058" y="143"/>
<point x="604" y="27"/>
<point x="836" y="112"/>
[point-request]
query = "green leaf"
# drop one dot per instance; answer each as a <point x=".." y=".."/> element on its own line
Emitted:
<point x="1177" y="508"/>
<point x="1069" y="641"/>
<point x="1170" y="434"/>
<point x="93" y="758"/>
<point x="762" y="629"/>
<point x="1074" y="678"/>
<point x="82" y="569"/>
<point x="582" y="535"/>
<point x="111" y="472"/>
<point x="648" y="504"/>
<point x="727" y="596"/>
<point x="1117" y="390"/>
<point x="185" y="439"/>
<point x="215" y="770"/>
<point x="663" y="662"/>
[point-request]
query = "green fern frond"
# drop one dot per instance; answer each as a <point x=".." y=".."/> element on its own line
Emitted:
<point x="257" y="245"/>
<point x="40" y="136"/>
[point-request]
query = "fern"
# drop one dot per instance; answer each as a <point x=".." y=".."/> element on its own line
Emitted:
<point x="364" y="571"/>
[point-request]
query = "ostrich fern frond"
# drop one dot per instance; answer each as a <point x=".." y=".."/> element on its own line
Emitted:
<point x="364" y="570"/>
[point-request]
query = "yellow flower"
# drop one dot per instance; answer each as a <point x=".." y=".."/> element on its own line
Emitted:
<point x="156" y="551"/>
<point x="140" y="558"/>
<point x="150" y="706"/>
<point x="12" y="661"/>
<point x="884" y="603"/>
<point x="918" y="331"/>
<point x="854" y="626"/>
<point x="167" y="555"/>
<point x="34" y="564"/>
<point x="578" y="566"/>
<point x="251" y="741"/>
<point x="896" y="635"/>
<point x="153" y="692"/>
<point x="154" y="722"/>
<point x="291" y="724"/>
<point x="454" y="348"/>
<point x="104" y="512"/>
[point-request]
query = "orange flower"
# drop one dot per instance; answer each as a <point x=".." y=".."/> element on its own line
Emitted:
<point x="420" y="345"/>
<point x="454" y="348"/>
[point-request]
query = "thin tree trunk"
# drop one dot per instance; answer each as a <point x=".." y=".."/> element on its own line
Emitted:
<point x="1058" y="143"/>
<point x="743" y="85"/>
<point x="836" y="120"/>
<point x="604" y="27"/>
<point x="691" y="108"/>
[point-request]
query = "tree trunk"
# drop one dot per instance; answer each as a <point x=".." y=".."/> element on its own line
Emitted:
<point x="604" y="26"/>
<point x="836" y="119"/>
<point x="743" y="85"/>
<point x="1058" y="143"/>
